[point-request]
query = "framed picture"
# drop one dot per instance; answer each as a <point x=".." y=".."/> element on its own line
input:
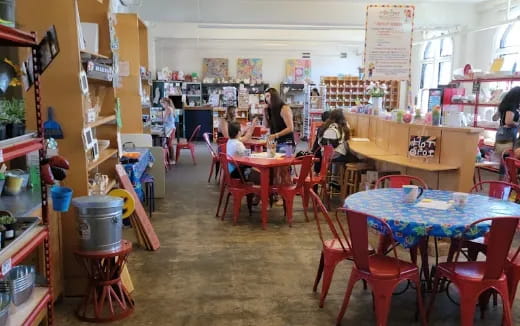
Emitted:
<point x="53" y="41"/>
<point x="83" y="82"/>
<point x="88" y="138"/>
<point x="95" y="150"/>
<point x="44" y="51"/>
<point x="27" y="73"/>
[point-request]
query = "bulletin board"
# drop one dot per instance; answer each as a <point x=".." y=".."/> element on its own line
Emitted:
<point x="249" y="68"/>
<point x="215" y="67"/>
<point x="297" y="70"/>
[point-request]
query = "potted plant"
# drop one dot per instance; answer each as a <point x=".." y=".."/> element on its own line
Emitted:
<point x="15" y="110"/>
<point x="2" y="237"/>
<point x="4" y="120"/>
<point x="376" y="92"/>
<point x="8" y="222"/>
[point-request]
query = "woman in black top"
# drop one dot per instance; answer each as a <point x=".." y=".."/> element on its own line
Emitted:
<point x="280" y="119"/>
<point x="509" y="117"/>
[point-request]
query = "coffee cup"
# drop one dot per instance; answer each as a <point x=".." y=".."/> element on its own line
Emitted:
<point x="460" y="199"/>
<point x="411" y="193"/>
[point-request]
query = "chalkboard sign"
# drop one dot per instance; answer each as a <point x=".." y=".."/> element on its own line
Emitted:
<point x="422" y="146"/>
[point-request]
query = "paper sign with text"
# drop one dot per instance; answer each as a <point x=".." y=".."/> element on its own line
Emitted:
<point x="422" y="146"/>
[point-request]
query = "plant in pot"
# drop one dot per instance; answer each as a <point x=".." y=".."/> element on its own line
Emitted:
<point x="15" y="110"/>
<point x="4" y="120"/>
<point x="9" y="223"/>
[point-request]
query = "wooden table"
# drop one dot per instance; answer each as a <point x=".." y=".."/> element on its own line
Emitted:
<point x="264" y="165"/>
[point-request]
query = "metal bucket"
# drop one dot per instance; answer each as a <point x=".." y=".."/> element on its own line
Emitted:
<point x="100" y="223"/>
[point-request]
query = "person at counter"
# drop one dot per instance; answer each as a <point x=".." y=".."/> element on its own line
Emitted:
<point x="509" y="118"/>
<point x="335" y="131"/>
<point x="280" y="120"/>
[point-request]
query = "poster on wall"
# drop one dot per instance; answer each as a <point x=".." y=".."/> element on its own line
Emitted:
<point x="388" y="42"/>
<point x="297" y="70"/>
<point x="249" y="69"/>
<point x="215" y="67"/>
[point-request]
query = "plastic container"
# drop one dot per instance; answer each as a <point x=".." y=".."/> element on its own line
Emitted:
<point x="7" y="13"/>
<point x="61" y="197"/>
<point x="21" y="173"/>
<point x="13" y="184"/>
<point x="100" y="222"/>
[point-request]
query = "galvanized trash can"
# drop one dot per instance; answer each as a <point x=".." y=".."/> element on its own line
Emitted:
<point x="100" y="223"/>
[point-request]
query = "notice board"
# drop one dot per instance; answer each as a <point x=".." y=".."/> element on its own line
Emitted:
<point x="388" y="42"/>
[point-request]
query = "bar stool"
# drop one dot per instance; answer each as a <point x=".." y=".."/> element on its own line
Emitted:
<point x="149" y="192"/>
<point x="106" y="299"/>
<point x="352" y="178"/>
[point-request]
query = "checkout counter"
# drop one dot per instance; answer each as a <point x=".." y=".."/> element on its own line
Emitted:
<point x="450" y="167"/>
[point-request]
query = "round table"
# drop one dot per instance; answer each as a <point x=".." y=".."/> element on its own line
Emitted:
<point x="410" y="223"/>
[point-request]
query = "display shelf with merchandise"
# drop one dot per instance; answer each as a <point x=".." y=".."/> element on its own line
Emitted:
<point x="348" y="91"/>
<point x="485" y="98"/>
<point x="38" y="307"/>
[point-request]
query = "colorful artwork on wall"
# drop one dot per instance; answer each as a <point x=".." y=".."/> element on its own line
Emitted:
<point x="215" y="67"/>
<point x="249" y="69"/>
<point x="297" y="70"/>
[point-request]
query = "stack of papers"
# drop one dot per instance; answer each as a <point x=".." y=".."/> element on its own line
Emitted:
<point x="266" y="155"/>
<point x="434" y="204"/>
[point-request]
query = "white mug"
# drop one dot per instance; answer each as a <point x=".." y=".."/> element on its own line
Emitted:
<point x="411" y="193"/>
<point x="460" y="199"/>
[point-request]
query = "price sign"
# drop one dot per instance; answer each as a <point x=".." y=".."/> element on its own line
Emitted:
<point x="422" y="146"/>
<point x="6" y="266"/>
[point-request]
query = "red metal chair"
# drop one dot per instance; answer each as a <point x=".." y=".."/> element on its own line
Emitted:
<point x="320" y="179"/>
<point x="168" y="150"/>
<point x="510" y="164"/>
<point x="382" y="273"/>
<point x="215" y="163"/>
<point x="188" y="145"/>
<point x="288" y="192"/>
<point x="512" y="271"/>
<point x="496" y="189"/>
<point x="333" y="250"/>
<point x="474" y="278"/>
<point x="238" y="188"/>
<point x="398" y="180"/>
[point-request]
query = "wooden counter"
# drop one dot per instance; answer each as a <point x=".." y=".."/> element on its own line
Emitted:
<point x="451" y="168"/>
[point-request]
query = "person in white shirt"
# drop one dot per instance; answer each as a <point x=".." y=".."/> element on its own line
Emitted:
<point x="235" y="147"/>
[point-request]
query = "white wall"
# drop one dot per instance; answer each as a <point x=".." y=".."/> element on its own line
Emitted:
<point x="182" y="32"/>
<point x="187" y="55"/>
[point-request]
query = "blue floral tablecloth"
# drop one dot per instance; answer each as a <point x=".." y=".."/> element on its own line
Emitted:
<point x="409" y="223"/>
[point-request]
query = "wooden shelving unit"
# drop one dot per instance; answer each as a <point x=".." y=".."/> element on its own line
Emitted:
<point x="102" y="120"/>
<point x="133" y="50"/>
<point x="62" y="89"/>
<point x="347" y="91"/>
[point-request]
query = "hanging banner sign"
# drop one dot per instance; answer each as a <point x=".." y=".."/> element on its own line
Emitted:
<point x="388" y="42"/>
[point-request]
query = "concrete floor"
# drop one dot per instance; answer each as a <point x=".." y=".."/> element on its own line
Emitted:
<point x="209" y="272"/>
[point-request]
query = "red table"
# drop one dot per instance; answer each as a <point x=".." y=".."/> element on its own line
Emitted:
<point x="256" y="145"/>
<point x="264" y="165"/>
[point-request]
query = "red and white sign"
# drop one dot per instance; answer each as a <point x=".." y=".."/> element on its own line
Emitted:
<point x="388" y="42"/>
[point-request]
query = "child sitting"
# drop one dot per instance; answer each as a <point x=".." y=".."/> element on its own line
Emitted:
<point x="235" y="147"/>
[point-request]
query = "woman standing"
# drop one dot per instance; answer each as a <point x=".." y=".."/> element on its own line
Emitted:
<point x="279" y="119"/>
<point x="169" y="116"/>
<point x="509" y="117"/>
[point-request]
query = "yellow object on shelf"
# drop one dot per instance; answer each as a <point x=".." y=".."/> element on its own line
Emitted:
<point x="128" y="201"/>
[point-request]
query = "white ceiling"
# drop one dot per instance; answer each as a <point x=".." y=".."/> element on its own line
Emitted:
<point x="291" y="12"/>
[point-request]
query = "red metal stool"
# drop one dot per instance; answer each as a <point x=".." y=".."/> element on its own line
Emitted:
<point x="106" y="299"/>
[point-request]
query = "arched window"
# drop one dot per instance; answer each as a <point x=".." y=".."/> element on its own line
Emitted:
<point x="436" y="60"/>
<point x="436" y="63"/>
<point x="509" y="46"/>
